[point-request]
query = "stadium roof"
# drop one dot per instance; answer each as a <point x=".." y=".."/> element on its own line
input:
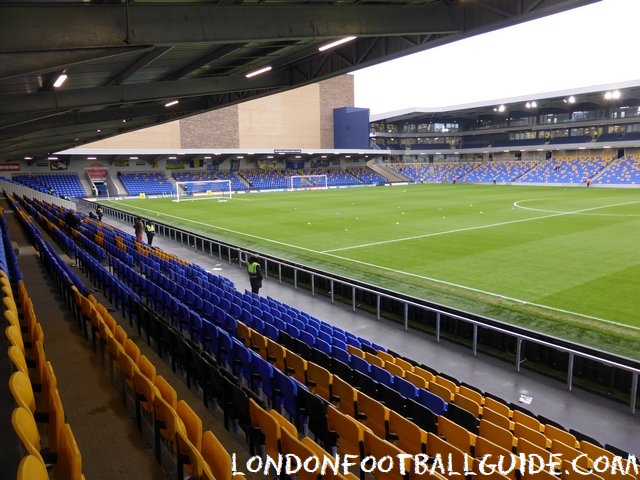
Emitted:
<point x="584" y="99"/>
<point x="127" y="62"/>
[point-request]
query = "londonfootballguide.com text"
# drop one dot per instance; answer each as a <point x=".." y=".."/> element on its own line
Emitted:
<point x="422" y="464"/>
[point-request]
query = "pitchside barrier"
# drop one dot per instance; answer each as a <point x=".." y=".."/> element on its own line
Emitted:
<point x="604" y="373"/>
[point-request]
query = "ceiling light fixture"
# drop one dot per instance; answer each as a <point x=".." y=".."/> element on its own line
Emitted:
<point x="60" y="79"/>
<point x="258" y="72"/>
<point x="337" y="43"/>
<point x="171" y="103"/>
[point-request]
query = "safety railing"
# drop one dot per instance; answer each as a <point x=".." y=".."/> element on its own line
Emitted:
<point x="569" y="359"/>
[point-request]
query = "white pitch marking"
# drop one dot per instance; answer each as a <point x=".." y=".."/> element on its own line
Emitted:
<point x="468" y="229"/>
<point x="484" y="292"/>
<point x="435" y="280"/>
<point x="518" y="205"/>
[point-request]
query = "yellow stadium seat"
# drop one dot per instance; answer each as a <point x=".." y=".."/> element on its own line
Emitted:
<point x="459" y="459"/>
<point x="276" y="354"/>
<point x="145" y="391"/>
<point x="17" y="359"/>
<point x="26" y="429"/>
<point x="69" y="464"/>
<point x="408" y="436"/>
<point x="268" y="425"/>
<point x="291" y="445"/>
<point x="486" y="448"/>
<point x="32" y="468"/>
<point x="192" y="423"/>
<point x="167" y="392"/>
<point x="535" y="436"/>
<point x="147" y="367"/>
<point x="498" y="435"/>
<point x="379" y="448"/>
<point x="373" y="359"/>
<point x="456" y="435"/>
<point x="496" y="418"/>
<point x="373" y="414"/>
<point x="319" y="380"/>
<point x="216" y="456"/>
<point x="296" y="366"/>
<point x="344" y="396"/>
<point x="416" y="379"/>
<point x="468" y="404"/>
<point x="349" y="431"/>
<point x="554" y="433"/>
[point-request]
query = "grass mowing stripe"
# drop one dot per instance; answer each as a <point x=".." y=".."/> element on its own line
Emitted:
<point x="484" y="292"/>
<point x="467" y="229"/>
<point x="556" y="274"/>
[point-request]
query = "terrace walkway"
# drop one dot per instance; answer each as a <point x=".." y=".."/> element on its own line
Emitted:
<point x="593" y="415"/>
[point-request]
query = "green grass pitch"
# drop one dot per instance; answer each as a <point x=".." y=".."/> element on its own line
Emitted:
<point x="565" y="261"/>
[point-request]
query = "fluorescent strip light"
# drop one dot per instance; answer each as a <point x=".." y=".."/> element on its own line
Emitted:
<point x="60" y="80"/>
<point x="172" y="103"/>
<point x="336" y="43"/>
<point x="258" y="72"/>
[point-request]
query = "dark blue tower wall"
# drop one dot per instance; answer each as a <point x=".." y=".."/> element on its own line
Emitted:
<point x="351" y="127"/>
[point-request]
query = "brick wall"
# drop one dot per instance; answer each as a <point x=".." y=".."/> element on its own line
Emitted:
<point x="334" y="93"/>
<point x="214" y="129"/>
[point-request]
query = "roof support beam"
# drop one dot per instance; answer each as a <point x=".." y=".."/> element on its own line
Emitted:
<point x="143" y="92"/>
<point x="42" y="61"/>
<point x="174" y="24"/>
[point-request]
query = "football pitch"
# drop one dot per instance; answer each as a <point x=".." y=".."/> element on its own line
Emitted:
<point x="564" y="261"/>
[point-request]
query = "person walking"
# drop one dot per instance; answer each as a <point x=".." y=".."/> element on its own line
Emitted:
<point x="255" y="274"/>
<point x="151" y="231"/>
<point x="138" y="228"/>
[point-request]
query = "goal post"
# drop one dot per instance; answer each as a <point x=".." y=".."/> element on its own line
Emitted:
<point x="203" y="190"/>
<point x="305" y="182"/>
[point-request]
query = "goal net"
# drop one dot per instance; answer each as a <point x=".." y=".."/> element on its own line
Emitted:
<point x="203" y="190"/>
<point x="305" y="182"/>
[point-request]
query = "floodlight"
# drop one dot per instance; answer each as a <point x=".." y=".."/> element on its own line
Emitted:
<point x="612" y="95"/>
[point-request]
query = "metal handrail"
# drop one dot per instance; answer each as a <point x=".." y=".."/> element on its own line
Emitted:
<point x="522" y="335"/>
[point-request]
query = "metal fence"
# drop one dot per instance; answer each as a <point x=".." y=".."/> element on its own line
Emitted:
<point x="602" y="372"/>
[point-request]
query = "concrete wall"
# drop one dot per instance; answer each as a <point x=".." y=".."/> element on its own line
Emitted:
<point x="297" y="119"/>
<point x="287" y="120"/>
